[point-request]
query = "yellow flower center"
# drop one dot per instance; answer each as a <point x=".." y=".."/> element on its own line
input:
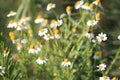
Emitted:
<point x="101" y="37"/>
<point x="29" y="31"/>
<point x="46" y="21"/>
<point x="48" y="35"/>
<point x="97" y="15"/>
<point x="98" y="1"/>
<point x="50" y="4"/>
<point x="24" y="17"/>
<point x="53" y="21"/>
<point x="66" y="60"/>
<point x="42" y="30"/>
<point x="11" y="12"/>
<point x="97" y="53"/>
<point x="11" y="33"/>
<point x="12" y="37"/>
<point x="68" y="8"/>
<point x="74" y="30"/>
<point x="91" y="5"/>
<point x="32" y="46"/>
<point x="18" y="44"/>
<point x="86" y="4"/>
<point x="41" y="58"/>
<point x="78" y="3"/>
<point x="11" y="22"/>
<point x="39" y="17"/>
<point x="114" y="78"/>
<point x="100" y="67"/>
<point x="56" y="31"/>
<point x="92" y="22"/>
<point x="104" y="77"/>
<point x="4" y="52"/>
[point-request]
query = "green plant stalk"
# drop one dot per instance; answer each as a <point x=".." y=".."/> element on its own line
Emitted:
<point x="113" y="62"/>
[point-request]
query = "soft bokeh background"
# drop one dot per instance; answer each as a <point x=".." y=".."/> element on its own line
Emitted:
<point x="110" y="21"/>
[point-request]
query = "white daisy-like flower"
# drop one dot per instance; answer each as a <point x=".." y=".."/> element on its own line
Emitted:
<point x="12" y="37"/>
<point x="21" y="40"/>
<point x="44" y="23"/>
<point x="5" y="52"/>
<point x="56" y="33"/>
<point x="78" y="4"/>
<point x="57" y="36"/>
<point x="25" y="19"/>
<point x="68" y="10"/>
<point x="93" y="41"/>
<point x="89" y="35"/>
<point x="42" y="32"/>
<point x="104" y="78"/>
<point x="12" y="24"/>
<point x="19" y="46"/>
<point x="47" y="37"/>
<point x="39" y="19"/>
<point x="118" y="37"/>
<point x="101" y="37"/>
<point x="2" y="72"/>
<point x="101" y="67"/>
<point x="11" y="13"/>
<point x="96" y="2"/>
<point x="33" y="49"/>
<point x="86" y="6"/>
<point x="66" y="62"/>
<point x="41" y="60"/>
<point x="59" y="22"/>
<point x="53" y="23"/>
<point x="92" y="22"/>
<point x="97" y="55"/>
<point x="50" y="6"/>
<point x="62" y="15"/>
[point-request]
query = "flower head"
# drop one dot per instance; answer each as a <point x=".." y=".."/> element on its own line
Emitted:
<point x="101" y="37"/>
<point x="114" y="78"/>
<point x="78" y="4"/>
<point x="33" y="49"/>
<point x="68" y="9"/>
<point x="50" y="6"/>
<point x="59" y="22"/>
<point x="66" y="62"/>
<point x="5" y="52"/>
<point x="92" y="22"/>
<point x="97" y="16"/>
<point x="2" y="72"/>
<point x="96" y="2"/>
<point x="86" y="6"/>
<point x="101" y="67"/>
<point x="39" y="19"/>
<point x="118" y="37"/>
<point x="12" y="24"/>
<point x="104" y="78"/>
<point x="53" y="23"/>
<point x="42" y="31"/>
<point x="97" y="55"/>
<point x="11" y="13"/>
<point x="47" y="37"/>
<point x="41" y="60"/>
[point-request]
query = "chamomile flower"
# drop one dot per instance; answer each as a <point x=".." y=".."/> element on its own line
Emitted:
<point x="86" y="6"/>
<point x="68" y="10"/>
<point x="2" y="71"/>
<point x="118" y="37"/>
<point x="47" y="37"/>
<point x="30" y="33"/>
<point x="50" y="6"/>
<point x="19" y="46"/>
<point x="25" y="19"/>
<point x="114" y="78"/>
<point x="91" y="6"/>
<point x="78" y="4"/>
<point x="66" y="62"/>
<point x="33" y="49"/>
<point x="56" y="33"/>
<point x="92" y="22"/>
<point x="104" y="78"/>
<point x="12" y="37"/>
<point x="101" y="37"/>
<point x="96" y="2"/>
<point x="41" y="60"/>
<point x="39" y="19"/>
<point x="11" y="13"/>
<point x="45" y="22"/>
<point x="89" y="35"/>
<point x="101" y="67"/>
<point x="42" y="31"/>
<point x="11" y="24"/>
<point x="53" y="23"/>
<point x="59" y="22"/>
<point x="97" y="16"/>
<point x="5" y="52"/>
<point x="97" y="55"/>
